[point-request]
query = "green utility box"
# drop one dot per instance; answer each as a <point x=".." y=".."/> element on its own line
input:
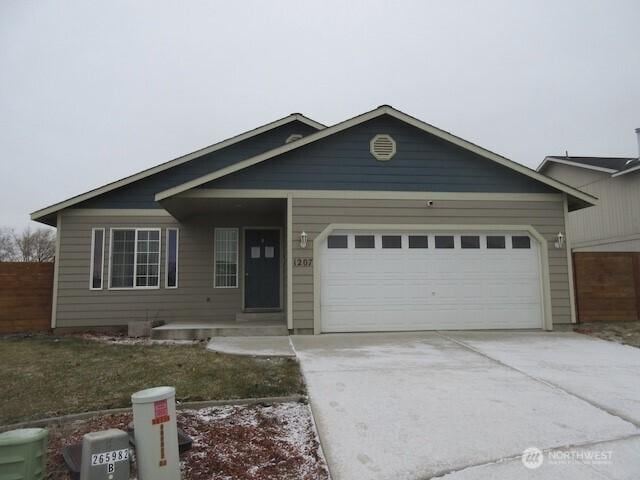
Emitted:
<point x="23" y="454"/>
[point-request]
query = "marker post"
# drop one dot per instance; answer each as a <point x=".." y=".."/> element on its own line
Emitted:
<point x="156" y="434"/>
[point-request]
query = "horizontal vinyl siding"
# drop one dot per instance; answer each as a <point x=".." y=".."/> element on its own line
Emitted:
<point x="79" y="307"/>
<point x="314" y="215"/>
<point x="343" y="161"/>
<point x="141" y="194"/>
<point x="615" y="217"/>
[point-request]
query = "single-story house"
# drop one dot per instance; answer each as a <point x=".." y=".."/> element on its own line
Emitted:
<point x="381" y="222"/>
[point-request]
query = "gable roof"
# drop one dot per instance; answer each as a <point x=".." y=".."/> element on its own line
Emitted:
<point x="585" y="198"/>
<point x="40" y="214"/>
<point x="600" y="164"/>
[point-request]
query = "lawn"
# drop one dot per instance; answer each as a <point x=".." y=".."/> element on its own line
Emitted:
<point x="44" y="376"/>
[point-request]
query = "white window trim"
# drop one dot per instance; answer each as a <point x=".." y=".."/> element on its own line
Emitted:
<point x="166" y="260"/>
<point x="93" y="244"/>
<point x="237" y="230"/>
<point x="135" y="257"/>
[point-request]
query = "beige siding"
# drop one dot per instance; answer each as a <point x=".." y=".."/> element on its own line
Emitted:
<point x="574" y="176"/>
<point x="613" y="224"/>
<point x="195" y="299"/>
<point x="314" y="215"/>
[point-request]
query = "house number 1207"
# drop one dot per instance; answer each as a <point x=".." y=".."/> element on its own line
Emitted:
<point x="303" y="262"/>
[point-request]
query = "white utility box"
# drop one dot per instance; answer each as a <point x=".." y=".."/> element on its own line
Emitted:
<point x="156" y="434"/>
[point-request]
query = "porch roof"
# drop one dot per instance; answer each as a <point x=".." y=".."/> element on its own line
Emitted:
<point x="184" y="208"/>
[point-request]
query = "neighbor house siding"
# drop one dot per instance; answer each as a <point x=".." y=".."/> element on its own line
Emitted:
<point x="343" y="161"/>
<point x="195" y="299"/>
<point x="313" y="215"/>
<point x="614" y="223"/>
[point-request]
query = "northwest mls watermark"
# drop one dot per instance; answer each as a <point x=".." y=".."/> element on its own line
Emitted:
<point x="533" y="457"/>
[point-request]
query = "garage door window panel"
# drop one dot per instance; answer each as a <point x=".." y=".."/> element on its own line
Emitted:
<point x="418" y="241"/>
<point x="444" y="241"/>
<point x="391" y="241"/>
<point x="470" y="241"/>
<point x="337" y="241"/>
<point x="495" y="242"/>
<point x="365" y="241"/>
<point x="520" y="241"/>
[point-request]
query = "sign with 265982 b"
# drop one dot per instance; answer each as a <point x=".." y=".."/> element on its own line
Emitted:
<point x="105" y="456"/>
<point x="110" y="457"/>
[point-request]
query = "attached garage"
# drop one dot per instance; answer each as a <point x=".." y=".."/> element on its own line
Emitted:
<point x="423" y="280"/>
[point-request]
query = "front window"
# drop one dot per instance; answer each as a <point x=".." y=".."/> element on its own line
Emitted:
<point x="226" y="257"/>
<point x="171" y="270"/>
<point x="97" y="258"/>
<point x="135" y="258"/>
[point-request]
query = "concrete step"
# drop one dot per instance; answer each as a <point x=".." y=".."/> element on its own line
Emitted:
<point x="178" y="331"/>
<point x="259" y="316"/>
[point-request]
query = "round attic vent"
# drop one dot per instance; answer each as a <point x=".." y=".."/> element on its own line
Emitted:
<point x="293" y="137"/>
<point x="383" y="147"/>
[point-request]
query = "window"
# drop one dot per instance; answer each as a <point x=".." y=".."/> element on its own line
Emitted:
<point x="495" y="241"/>
<point x="365" y="241"/>
<point x="444" y="241"/>
<point x="469" y="241"/>
<point x="337" y="241"/>
<point x="226" y="257"/>
<point x="520" y="241"/>
<point x="97" y="258"/>
<point x="418" y="241"/>
<point x="391" y="241"/>
<point x="135" y="258"/>
<point x="171" y="268"/>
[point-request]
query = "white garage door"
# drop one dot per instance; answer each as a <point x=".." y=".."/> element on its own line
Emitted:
<point x="373" y="281"/>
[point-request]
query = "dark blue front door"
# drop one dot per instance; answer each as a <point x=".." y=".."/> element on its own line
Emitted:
<point x="262" y="269"/>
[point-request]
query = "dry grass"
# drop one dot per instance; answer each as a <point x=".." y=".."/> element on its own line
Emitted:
<point x="45" y="376"/>
<point x="627" y="333"/>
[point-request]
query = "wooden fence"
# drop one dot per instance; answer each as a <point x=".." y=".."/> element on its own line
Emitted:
<point x="25" y="296"/>
<point x="607" y="286"/>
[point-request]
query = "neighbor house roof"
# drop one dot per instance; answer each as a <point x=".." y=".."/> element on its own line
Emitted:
<point x="631" y="166"/>
<point x="39" y="214"/>
<point x="601" y="164"/>
<point x="382" y="110"/>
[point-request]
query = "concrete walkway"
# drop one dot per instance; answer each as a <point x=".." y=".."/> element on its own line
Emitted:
<point x="252" y="346"/>
<point x="466" y="405"/>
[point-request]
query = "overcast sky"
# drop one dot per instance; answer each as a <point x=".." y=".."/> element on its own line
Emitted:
<point x="94" y="91"/>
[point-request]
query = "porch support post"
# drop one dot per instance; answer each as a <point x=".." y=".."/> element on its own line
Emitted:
<point x="289" y="261"/>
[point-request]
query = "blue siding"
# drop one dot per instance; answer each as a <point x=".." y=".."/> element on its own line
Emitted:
<point x="422" y="162"/>
<point x="141" y="194"/>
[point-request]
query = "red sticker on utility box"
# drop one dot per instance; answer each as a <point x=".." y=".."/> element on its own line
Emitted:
<point x="161" y="412"/>
<point x="160" y="408"/>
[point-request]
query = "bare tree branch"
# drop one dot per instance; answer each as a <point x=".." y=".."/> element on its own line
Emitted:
<point x="38" y="246"/>
<point x="7" y="246"/>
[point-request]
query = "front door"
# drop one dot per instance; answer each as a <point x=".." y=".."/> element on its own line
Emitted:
<point x="262" y="269"/>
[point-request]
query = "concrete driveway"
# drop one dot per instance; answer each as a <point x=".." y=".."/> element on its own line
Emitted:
<point x="466" y="405"/>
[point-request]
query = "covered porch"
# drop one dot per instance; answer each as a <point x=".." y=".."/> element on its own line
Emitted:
<point x="233" y="253"/>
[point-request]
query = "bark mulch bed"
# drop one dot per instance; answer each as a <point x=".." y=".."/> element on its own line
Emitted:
<point x="258" y="442"/>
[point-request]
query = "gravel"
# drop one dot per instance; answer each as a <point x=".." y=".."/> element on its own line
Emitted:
<point x="258" y="442"/>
